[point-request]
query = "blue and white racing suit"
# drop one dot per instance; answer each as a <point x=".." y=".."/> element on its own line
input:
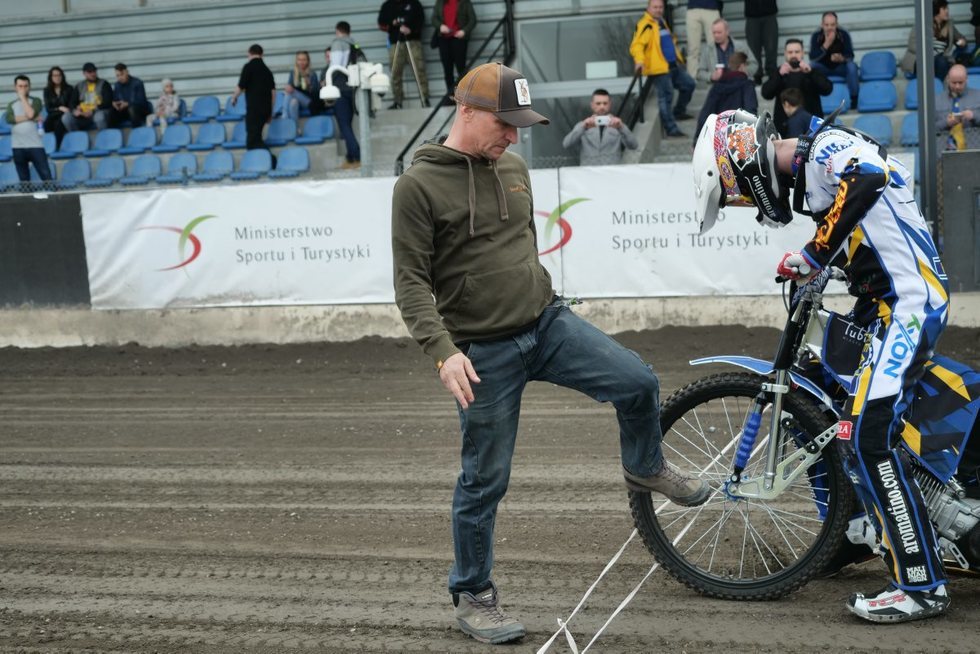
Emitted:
<point x="868" y="222"/>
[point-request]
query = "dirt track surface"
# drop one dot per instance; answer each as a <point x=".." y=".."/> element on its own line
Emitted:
<point x="296" y="499"/>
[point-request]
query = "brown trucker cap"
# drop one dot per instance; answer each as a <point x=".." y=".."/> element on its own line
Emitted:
<point x="500" y="90"/>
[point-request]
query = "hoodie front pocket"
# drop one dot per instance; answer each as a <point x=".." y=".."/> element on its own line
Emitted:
<point x="501" y="299"/>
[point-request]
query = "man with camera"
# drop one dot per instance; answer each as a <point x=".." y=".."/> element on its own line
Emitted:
<point x="958" y="112"/>
<point x="601" y="137"/>
<point x="796" y="73"/>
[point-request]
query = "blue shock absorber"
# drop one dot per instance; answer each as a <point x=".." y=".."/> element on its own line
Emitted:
<point x="749" y="433"/>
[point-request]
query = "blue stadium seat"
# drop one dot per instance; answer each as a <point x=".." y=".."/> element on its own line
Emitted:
<point x="217" y="166"/>
<point x="180" y="168"/>
<point x="209" y="136"/>
<point x="146" y="168"/>
<point x="237" y="140"/>
<point x="176" y="136"/>
<point x="829" y="103"/>
<point x="910" y="131"/>
<point x="291" y="162"/>
<point x="204" y="109"/>
<point x="877" y="96"/>
<point x="973" y="81"/>
<point x="879" y="65"/>
<point x="316" y="130"/>
<point x="74" y="172"/>
<point x="6" y="149"/>
<point x="37" y="178"/>
<point x="140" y="140"/>
<point x="233" y="112"/>
<point x="109" y="171"/>
<point x="8" y="177"/>
<point x="50" y="143"/>
<point x="181" y="112"/>
<point x="877" y="127"/>
<point x="72" y="145"/>
<point x="278" y="103"/>
<point x="4" y="127"/>
<point x="253" y="165"/>
<point x="281" y="131"/>
<point x="107" y="142"/>
<point x="912" y="92"/>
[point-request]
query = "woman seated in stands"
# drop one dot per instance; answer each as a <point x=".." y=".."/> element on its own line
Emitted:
<point x="948" y="43"/>
<point x="167" y="105"/>
<point x="57" y="99"/>
<point x="301" y="88"/>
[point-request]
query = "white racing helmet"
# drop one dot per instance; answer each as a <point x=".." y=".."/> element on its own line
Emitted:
<point x="735" y="166"/>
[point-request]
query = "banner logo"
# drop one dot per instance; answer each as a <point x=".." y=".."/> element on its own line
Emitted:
<point x="185" y="235"/>
<point x="556" y="218"/>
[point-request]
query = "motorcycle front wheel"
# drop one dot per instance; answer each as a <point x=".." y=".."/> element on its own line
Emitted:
<point x="736" y="548"/>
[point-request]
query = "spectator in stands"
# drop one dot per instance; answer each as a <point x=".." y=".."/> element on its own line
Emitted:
<point x="167" y="105"/>
<point x="762" y="34"/>
<point x="797" y="118"/>
<point x="340" y="53"/>
<point x="58" y="100"/>
<point x="947" y="42"/>
<point x="301" y="87"/>
<point x="656" y="55"/>
<point x="346" y="49"/>
<point x="403" y="20"/>
<point x="602" y="136"/>
<point x="91" y="102"/>
<point x="796" y="73"/>
<point x="832" y="53"/>
<point x="715" y="54"/>
<point x="24" y="117"/>
<point x="128" y="99"/>
<point x="454" y="21"/>
<point x="958" y="113"/>
<point x="700" y="15"/>
<point x="259" y="87"/>
<point x="732" y="90"/>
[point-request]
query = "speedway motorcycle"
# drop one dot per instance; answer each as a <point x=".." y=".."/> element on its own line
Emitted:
<point x="783" y="504"/>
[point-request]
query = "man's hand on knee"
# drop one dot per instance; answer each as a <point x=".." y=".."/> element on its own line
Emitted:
<point x="456" y="374"/>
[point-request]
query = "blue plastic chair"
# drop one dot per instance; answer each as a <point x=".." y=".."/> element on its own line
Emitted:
<point x="146" y="168"/>
<point x="209" y="136"/>
<point x="217" y="165"/>
<point x="877" y="127"/>
<point x="180" y="169"/>
<point x="877" y="96"/>
<point x="72" y="145"/>
<point x="176" y="137"/>
<point x="204" y="109"/>
<point x="254" y="164"/>
<point x="4" y="127"/>
<point x="830" y="102"/>
<point x="878" y="65"/>
<point x="37" y="178"/>
<point x="912" y="92"/>
<point x="74" y="172"/>
<point x="50" y="143"/>
<point x="6" y="148"/>
<point x="8" y="177"/>
<point x="277" y="105"/>
<point x="316" y="130"/>
<point x="910" y="131"/>
<point x="281" y="131"/>
<point x="237" y="140"/>
<point x="110" y="169"/>
<point x="140" y="140"/>
<point x="291" y="162"/>
<point x="107" y="142"/>
<point x="973" y="81"/>
<point x="233" y="112"/>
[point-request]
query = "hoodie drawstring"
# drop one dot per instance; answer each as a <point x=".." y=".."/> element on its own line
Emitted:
<point x="472" y="196"/>
<point x="501" y="198"/>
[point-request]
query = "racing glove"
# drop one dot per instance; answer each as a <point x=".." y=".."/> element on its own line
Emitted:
<point x="794" y="265"/>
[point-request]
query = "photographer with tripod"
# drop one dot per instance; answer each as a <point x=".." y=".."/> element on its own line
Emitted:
<point x="403" y="20"/>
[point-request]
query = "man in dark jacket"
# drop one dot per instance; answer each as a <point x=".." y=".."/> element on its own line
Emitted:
<point x="91" y="103"/>
<point x="762" y="34"/>
<point x="128" y="99"/>
<point x="733" y="90"/>
<point x="796" y="73"/>
<point x="403" y="20"/>
<point x="832" y="53"/>
<point x="259" y="87"/>
<point x="474" y="294"/>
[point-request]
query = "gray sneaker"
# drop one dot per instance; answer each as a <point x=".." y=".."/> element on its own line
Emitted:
<point x="669" y="481"/>
<point x="480" y="616"/>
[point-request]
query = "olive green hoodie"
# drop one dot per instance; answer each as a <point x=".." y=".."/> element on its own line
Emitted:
<point x="465" y="250"/>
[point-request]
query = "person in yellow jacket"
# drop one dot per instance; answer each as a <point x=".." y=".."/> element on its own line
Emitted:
<point x="656" y="55"/>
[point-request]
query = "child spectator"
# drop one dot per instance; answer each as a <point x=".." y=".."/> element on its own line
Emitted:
<point x="733" y="90"/>
<point x="57" y="99"/>
<point x="797" y="118"/>
<point x="167" y="105"/>
<point x="301" y="87"/>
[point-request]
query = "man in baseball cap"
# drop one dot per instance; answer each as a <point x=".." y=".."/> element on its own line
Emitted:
<point x="91" y="103"/>
<point x="500" y="90"/>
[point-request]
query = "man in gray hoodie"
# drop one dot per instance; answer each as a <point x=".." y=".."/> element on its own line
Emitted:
<point x="473" y="293"/>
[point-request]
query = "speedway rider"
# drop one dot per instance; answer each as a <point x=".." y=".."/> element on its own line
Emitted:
<point x="869" y="224"/>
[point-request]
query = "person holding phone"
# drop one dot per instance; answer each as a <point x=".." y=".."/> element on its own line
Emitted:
<point x="796" y="73"/>
<point x="958" y="112"/>
<point x="601" y="137"/>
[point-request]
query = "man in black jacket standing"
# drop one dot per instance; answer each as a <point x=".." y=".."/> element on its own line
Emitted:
<point x="403" y="20"/>
<point x="259" y="87"/>
<point x="762" y="34"/>
<point x="796" y="73"/>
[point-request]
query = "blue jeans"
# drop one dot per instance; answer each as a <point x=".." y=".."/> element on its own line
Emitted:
<point x="344" y="110"/>
<point x="846" y="69"/>
<point x="563" y="349"/>
<point x="294" y="101"/>
<point x="25" y="156"/>
<point x="665" y="84"/>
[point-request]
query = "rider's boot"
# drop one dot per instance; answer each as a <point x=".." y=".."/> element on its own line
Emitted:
<point x="892" y="604"/>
